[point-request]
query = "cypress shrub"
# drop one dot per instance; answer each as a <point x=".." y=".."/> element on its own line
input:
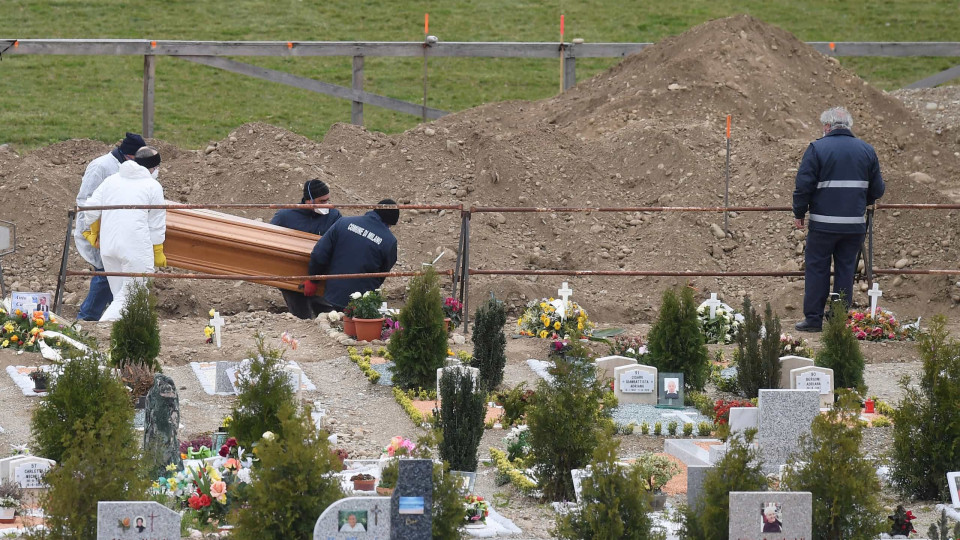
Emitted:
<point x="758" y="350"/>
<point x="420" y="346"/>
<point x="840" y="350"/>
<point x="738" y="470"/>
<point x="846" y="501"/>
<point x="81" y="393"/>
<point x="676" y="343"/>
<point x="448" y="510"/>
<point x="292" y="486"/>
<point x="490" y="343"/>
<point x="610" y="506"/>
<point x="567" y="422"/>
<point x="261" y="395"/>
<point x="926" y="425"/>
<point x="462" y="411"/>
<point x="135" y="336"/>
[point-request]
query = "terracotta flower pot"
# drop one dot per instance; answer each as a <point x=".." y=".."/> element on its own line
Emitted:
<point x="446" y="324"/>
<point x="364" y="485"/>
<point x="349" y="328"/>
<point x="368" y="329"/>
<point x="7" y="515"/>
<point x="385" y="492"/>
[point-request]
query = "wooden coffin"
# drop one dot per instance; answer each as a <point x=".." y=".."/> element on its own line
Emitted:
<point x="217" y="243"/>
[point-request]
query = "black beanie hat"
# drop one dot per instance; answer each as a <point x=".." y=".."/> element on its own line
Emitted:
<point x="390" y="216"/>
<point x="314" y="189"/>
<point x="131" y="143"/>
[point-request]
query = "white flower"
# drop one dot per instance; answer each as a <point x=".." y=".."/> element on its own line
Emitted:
<point x="368" y="293"/>
<point x="243" y="475"/>
<point x="356" y="295"/>
<point x="268" y="435"/>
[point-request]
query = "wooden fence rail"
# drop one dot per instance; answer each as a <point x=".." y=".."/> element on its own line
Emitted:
<point x="210" y="53"/>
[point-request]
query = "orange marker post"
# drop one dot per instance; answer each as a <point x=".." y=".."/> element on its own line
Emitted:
<point x="153" y="44"/>
<point x="833" y="46"/>
<point x="426" y="45"/>
<point x="426" y="23"/>
<point x="726" y="193"/>
<point x="289" y="45"/>
<point x="562" y="60"/>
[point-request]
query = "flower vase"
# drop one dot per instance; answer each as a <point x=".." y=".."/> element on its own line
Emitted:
<point x="368" y="329"/>
<point x="7" y="514"/>
<point x="349" y="328"/>
<point x="446" y="324"/>
<point x="384" y="491"/>
<point x="868" y="406"/>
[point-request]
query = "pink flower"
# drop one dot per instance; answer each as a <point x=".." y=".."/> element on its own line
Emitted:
<point x="890" y="335"/>
<point x="858" y="316"/>
<point x="861" y="335"/>
<point x="218" y="489"/>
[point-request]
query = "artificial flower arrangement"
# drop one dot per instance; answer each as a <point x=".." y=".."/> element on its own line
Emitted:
<point x="722" y="327"/>
<point x="287" y="340"/>
<point x="477" y="509"/>
<point x="399" y="446"/>
<point x="453" y="310"/>
<point x="791" y="346"/>
<point x="207" y="490"/>
<point x="209" y="331"/>
<point x="365" y="305"/>
<point x="629" y="346"/>
<point x="390" y="327"/>
<point x="21" y="331"/>
<point x="517" y="442"/>
<point x="902" y="522"/>
<point x="880" y="326"/>
<point x="542" y="319"/>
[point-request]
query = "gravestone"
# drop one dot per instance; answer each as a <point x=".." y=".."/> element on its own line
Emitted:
<point x="635" y="384"/>
<point x="695" y="476"/>
<point x="472" y="371"/>
<point x="28" y="471"/>
<point x="294" y="377"/>
<point x="670" y="391"/>
<point x="161" y="421"/>
<point x="140" y="520"/>
<point x="217" y="323"/>
<point x="577" y="475"/>
<point x="953" y="483"/>
<point x="371" y="519"/>
<point x="222" y="383"/>
<point x="412" y="500"/>
<point x="875" y="293"/>
<point x="785" y="415"/>
<point x="607" y="365"/>
<point x="771" y="515"/>
<point x="814" y="378"/>
<point x="743" y="418"/>
<point x="5" y="465"/>
<point x="788" y="363"/>
<point x="564" y="292"/>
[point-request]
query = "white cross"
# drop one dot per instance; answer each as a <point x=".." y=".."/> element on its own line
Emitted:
<point x="565" y="292"/>
<point x="713" y="303"/>
<point x="874" y="294"/>
<point x="217" y="322"/>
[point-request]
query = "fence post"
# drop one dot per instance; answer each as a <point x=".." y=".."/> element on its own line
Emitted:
<point x="149" y="74"/>
<point x="62" y="277"/>
<point x="356" y="110"/>
<point x="569" y="69"/>
<point x="466" y="272"/>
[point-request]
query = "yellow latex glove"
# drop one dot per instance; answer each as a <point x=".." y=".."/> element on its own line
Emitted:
<point x="93" y="234"/>
<point x="159" y="259"/>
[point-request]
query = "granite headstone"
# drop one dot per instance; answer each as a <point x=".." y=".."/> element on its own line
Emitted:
<point x="161" y="422"/>
<point x="785" y="415"/>
<point x="695" y="476"/>
<point x="771" y="515"/>
<point x="136" y="520"/>
<point x="670" y="391"/>
<point x="222" y="383"/>
<point x="412" y="500"/>
<point x="371" y="518"/>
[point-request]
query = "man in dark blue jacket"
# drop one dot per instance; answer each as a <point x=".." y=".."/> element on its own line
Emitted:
<point x="314" y="221"/>
<point x="838" y="177"/>
<point x="354" y="245"/>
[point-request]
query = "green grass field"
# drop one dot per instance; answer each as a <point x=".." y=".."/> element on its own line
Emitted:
<point x="45" y="99"/>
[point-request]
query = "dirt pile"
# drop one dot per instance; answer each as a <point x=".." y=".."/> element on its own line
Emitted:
<point x="647" y="132"/>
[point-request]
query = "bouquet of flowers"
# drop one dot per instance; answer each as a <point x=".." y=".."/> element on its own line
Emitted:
<point x="477" y="509"/>
<point x="399" y="447"/>
<point x="722" y="327"/>
<point x="902" y="521"/>
<point x="287" y="340"/>
<point x="366" y="305"/>
<point x="631" y="347"/>
<point x="790" y="345"/>
<point x="879" y="326"/>
<point x="721" y="410"/>
<point x="21" y="331"/>
<point x="518" y="442"/>
<point x="390" y="327"/>
<point x="453" y="310"/>
<point x="207" y="491"/>
<point x="542" y="319"/>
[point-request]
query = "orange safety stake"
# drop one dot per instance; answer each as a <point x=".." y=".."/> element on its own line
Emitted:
<point x="153" y="44"/>
<point x="289" y="44"/>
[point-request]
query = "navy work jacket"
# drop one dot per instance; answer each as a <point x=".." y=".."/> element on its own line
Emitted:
<point x="353" y="245"/>
<point x="838" y="177"/>
<point x="305" y="219"/>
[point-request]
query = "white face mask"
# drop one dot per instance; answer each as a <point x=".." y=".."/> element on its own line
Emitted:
<point x="155" y="173"/>
<point x="322" y="211"/>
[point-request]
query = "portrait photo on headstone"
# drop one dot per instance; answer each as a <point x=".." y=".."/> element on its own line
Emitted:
<point x="953" y="480"/>
<point x="771" y="517"/>
<point x="352" y="521"/>
<point x="671" y="390"/>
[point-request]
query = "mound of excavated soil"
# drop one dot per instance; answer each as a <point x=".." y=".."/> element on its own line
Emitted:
<point x="647" y="132"/>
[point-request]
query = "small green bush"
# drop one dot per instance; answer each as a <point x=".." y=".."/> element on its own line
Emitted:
<point x="490" y="342"/>
<point x="829" y="464"/>
<point x="676" y="343"/>
<point x="448" y="510"/>
<point x="645" y="428"/>
<point x="881" y="421"/>
<point x="261" y="395"/>
<point x="462" y="411"/>
<point x="702" y="402"/>
<point x="83" y="391"/>
<point x="738" y="470"/>
<point x="884" y="408"/>
<point x="926" y="426"/>
<point x="940" y="530"/>
<point x="672" y="428"/>
<point x="610" y="504"/>
<point x="758" y="353"/>
<point x="420" y="346"/>
<point x="515" y="403"/>
<point x="135" y="336"/>
<point x="292" y="485"/>
<point x="704" y="429"/>
<point x="687" y="429"/>
<point x="657" y="428"/>
<point x="567" y="422"/>
<point x="840" y="350"/>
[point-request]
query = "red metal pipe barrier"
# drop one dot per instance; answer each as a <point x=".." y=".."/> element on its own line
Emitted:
<point x="268" y="205"/>
<point x="245" y="277"/>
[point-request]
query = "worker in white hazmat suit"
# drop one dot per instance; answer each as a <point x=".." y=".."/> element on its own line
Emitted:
<point x="130" y="240"/>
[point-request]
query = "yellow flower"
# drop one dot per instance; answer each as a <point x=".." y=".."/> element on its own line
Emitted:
<point x="580" y="325"/>
<point x="156" y="485"/>
<point x="212" y="312"/>
<point x="213" y="474"/>
<point x="543" y="305"/>
<point x="556" y="325"/>
<point x="546" y="323"/>
<point x="171" y="467"/>
<point x="449" y="352"/>
<point x="35" y="331"/>
<point x="208" y="331"/>
<point x="5" y="344"/>
<point x="543" y="334"/>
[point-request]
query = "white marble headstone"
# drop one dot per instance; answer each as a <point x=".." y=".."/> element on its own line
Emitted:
<point x="607" y="364"/>
<point x="28" y="471"/>
<point x="635" y="384"/>
<point x="814" y="378"/>
<point x="788" y="363"/>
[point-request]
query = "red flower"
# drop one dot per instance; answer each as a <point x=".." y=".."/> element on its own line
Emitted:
<point x="224" y="451"/>
<point x="194" y="501"/>
<point x="231" y="442"/>
<point x="205" y="500"/>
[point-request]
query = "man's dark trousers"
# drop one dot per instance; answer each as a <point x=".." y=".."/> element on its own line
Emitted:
<point x="821" y="248"/>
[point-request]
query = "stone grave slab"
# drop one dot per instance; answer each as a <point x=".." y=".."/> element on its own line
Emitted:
<point x="635" y="383"/>
<point x="815" y="378"/>
<point x="355" y="517"/>
<point x="5" y="465"/>
<point x="223" y="384"/>
<point x="788" y="363"/>
<point x="21" y="377"/>
<point x="743" y="418"/>
<point x="695" y="477"/>
<point x="688" y="451"/>
<point x="785" y="415"/>
<point x="771" y="515"/>
<point x="953" y="480"/>
<point x="122" y="520"/>
<point x="211" y="376"/>
<point x="28" y="471"/>
<point x="410" y="504"/>
<point x="472" y="371"/>
<point x="607" y="365"/>
<point x="577" y="475"/>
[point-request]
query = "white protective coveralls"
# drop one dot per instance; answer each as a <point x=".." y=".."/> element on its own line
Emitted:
<point x="97" y="171"/>
<point x="127" y="237"/>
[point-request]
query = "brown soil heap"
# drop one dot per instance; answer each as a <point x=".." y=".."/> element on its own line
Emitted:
<point x="649" y="131"/>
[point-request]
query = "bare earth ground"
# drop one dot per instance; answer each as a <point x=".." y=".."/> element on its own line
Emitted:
<point x="647" y="132"/>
